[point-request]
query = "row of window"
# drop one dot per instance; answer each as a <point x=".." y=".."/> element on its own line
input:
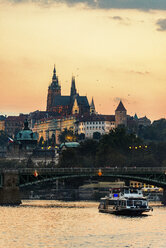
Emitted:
<point x="91" y="128"/>
<point x="95" y="123"/>
<point x="92" y="122"/>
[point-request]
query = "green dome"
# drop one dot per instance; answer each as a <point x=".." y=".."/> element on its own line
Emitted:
<point x="26" y="135"/>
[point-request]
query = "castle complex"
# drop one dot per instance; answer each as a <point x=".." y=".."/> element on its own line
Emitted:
<point x="72" y="112"/>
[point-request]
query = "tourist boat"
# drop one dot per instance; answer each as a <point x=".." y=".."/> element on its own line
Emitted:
<point x="124" y="201"/>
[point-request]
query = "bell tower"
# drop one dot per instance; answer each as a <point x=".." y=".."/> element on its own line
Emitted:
<point x="54" y="90"/>
<point x="120" y="115"/>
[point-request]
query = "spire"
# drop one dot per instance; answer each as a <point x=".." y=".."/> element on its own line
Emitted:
<point x="54" y="77"/>
<point x="54" y="71"/>
<point x="120" y="107"/>
<point x="92" y="104"/>
<point x="92" y="107"/>
<point x="135" y="117"/>
<point x="73" y="91"/>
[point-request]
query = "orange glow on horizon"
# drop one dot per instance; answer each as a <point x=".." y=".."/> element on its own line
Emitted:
<point x="111" y="58"/>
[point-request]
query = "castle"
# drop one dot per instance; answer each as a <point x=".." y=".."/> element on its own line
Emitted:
<point x="74" y="104"/>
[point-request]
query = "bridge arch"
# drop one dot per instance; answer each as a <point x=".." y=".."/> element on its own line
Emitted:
<point x="147" y="180"/>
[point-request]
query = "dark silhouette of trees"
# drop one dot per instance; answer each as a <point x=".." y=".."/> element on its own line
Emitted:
<point x="118" y="149"/>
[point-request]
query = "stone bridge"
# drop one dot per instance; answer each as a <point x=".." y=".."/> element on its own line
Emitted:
<point x="11" y="180"/>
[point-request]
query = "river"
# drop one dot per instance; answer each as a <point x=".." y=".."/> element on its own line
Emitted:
<point x="45" y="224"/>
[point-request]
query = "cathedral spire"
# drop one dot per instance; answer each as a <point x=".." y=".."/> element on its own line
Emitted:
<point x="54" y="77"/>
<point x="54" y="71"/>
<point x="73" y="91"/>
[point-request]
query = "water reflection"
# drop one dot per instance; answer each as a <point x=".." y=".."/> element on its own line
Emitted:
<point x="78" y="224"/>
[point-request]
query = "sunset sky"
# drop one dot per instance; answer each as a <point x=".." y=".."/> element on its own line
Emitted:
<point x="115" y="48"/>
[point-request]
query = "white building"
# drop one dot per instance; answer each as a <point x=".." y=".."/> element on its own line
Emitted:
<point x="95" y="123"/>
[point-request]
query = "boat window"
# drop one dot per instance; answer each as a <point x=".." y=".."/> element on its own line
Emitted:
<point x="129" y="203"/>
<point x="123" y="203"/>
<point x="144" y="203"/>
<point x="126" y="191"/>
<point x="137" y="203"/>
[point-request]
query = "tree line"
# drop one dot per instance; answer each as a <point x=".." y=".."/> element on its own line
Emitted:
<point x="119" y="148"/>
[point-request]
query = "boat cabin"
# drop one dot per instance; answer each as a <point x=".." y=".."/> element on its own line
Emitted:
<point x="125" y="192"/>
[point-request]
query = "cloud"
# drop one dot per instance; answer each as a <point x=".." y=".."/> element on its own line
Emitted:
<point x="162" y="24"/>
<point x="121" y="20"/>
<point x="140" y="72"/>
<point x="108" y="4"/>
<point x="117" y="18"/>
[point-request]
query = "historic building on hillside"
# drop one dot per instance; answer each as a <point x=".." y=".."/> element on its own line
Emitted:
<point x="74" y="104"/>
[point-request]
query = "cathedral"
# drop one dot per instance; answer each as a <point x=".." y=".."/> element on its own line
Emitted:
<point x="74" y="104"/>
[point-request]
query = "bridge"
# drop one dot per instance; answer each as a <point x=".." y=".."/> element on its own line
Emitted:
<point x="30" y="176"/>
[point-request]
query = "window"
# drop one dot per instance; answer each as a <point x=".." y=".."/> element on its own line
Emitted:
<point x="129" y="203"/>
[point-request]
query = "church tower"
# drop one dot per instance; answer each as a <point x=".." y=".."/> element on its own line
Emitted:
<point x="120" y="115"/>
<point x="54" y="89"/>
<point x="92" y="107"/>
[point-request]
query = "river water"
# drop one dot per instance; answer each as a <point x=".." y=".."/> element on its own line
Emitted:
<point x="58" y="224"/>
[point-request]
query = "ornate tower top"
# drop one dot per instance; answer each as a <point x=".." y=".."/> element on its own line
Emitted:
<point x="120" y="107"/>
<point x="55" y="82"/>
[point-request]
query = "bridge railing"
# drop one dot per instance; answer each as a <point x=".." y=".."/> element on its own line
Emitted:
<point x="89" y="170"/>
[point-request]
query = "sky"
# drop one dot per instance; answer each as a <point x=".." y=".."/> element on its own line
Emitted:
<point x="116" y="49"/>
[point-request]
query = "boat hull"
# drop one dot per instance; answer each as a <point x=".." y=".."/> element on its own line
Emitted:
<point x="129" y="212"/>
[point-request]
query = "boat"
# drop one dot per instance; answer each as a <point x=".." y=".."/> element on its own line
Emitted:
<point x="124" y="201"/>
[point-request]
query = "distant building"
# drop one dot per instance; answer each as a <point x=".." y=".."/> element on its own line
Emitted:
<point x="2" y="122"/>
<point x="144" y="121"/>
<point x="13" y="124"/>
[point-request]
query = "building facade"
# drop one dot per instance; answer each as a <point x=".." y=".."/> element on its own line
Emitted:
<point x="95" y="123"/>
<point x="46" y="128"/>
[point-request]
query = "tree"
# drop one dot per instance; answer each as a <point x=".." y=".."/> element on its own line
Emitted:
<point x="96" y="135"/>
<point x="81" y="136"/>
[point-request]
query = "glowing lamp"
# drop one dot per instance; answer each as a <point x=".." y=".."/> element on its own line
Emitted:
<point x="35" y="173"/>
<point x="99" y="173"/>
